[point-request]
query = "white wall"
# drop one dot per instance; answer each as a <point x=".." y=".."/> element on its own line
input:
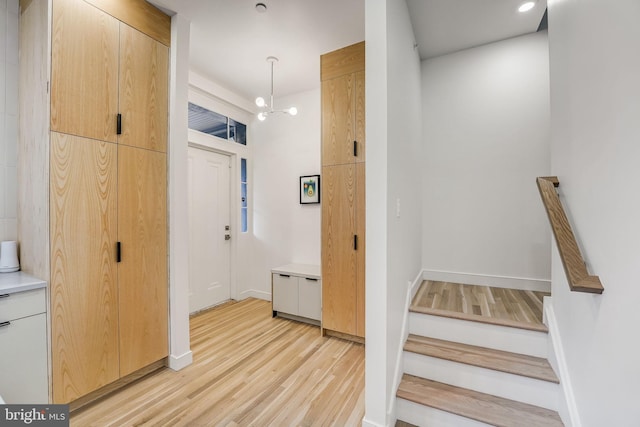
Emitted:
<point x="486" y="137"/>
<point x="404" y="203"/>
<point x="180" y="352"/>
<point x="376" y="381"/>
<point x="8" y="119"/>
<point x="595" y="129"/>
<point x="394" y="245"/>
<point x="285" y="148"/>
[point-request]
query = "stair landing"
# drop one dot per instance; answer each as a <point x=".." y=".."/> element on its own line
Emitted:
<point x="498" y="306"/>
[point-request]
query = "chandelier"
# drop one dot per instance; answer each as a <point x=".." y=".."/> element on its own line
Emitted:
<point x="268" y="109"/>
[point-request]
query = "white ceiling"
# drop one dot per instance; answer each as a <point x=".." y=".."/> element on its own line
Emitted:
<point x="230" y="40"/>
<point x="446" y="26"/>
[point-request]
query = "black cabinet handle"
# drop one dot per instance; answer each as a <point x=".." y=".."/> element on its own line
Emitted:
<point x="3" y="324"/>
<point x="119" y="124"/>
<point x="5" y="295"/>
<point x="355" y="242"/>
<point x="284" y="275"/>
<point x="311" y="280"/>
<point x="355" y="148"/>
<point x="118" y="252"/>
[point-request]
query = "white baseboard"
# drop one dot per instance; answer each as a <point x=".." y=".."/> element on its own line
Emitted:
<point x="412" y="289"/>
<point x="568" y="408"/>
<point x="253" y="293"/>
<point x="522" y="283"/>
<point x="180" y="362"/>
<point x="367" y="423"/>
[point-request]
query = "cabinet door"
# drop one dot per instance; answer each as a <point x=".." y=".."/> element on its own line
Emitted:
<point x="362" y="244"/>
<point x="84" y="293"/>
<point x="338" y="113"/>
<point x="360" y="117"/>
<point x="309" y="298"/>
<point x="23" y="352"/>
<point x="285" y="293"/>
<point x="142" y="272"/>
<point x="338" y="254"/>
<point x="84" y="71"/>
<point x="143" y="90"/>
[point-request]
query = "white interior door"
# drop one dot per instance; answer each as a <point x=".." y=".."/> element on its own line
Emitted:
<point x="209" y="235"/>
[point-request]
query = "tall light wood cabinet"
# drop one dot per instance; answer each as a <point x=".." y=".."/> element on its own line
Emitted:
<point x="100" y="134"/>
<point x="343" y="178"/>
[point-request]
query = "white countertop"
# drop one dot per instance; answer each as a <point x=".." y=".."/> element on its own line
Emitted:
<point x="304" y="270"/>
<point x="19" y="282"/>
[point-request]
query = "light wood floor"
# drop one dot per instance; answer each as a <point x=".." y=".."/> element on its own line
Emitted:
<point x="508" y="305"/>
<point x="248" y="370"/>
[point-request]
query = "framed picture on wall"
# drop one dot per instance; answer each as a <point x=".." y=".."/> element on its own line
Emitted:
<point x="309" y="189"/>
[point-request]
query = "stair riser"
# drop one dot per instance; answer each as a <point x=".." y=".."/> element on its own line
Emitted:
<point x="421" y="415"/>
<point x="502" y="384"/>
<point x="481" y="334"/>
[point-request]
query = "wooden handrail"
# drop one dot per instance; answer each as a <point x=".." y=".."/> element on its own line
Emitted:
<point x="574" y="266"/>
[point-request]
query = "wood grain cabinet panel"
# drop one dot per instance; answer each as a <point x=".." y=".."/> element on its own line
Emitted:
<point x="362" y="244"/>
<point x="84" y="291"/>
<point x="141" y="15"/>
<point x="144" y="67"/>
<point x="338" y="253"/>
<point x="142" y="273"/>
<point x="338" y="113"/>
<point x="360" y="117"/>
<point x="84" y="61"/>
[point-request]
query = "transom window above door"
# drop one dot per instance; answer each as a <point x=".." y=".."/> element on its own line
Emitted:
<point x="216" y="124"/>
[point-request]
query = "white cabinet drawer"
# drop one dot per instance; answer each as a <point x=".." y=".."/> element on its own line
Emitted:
<point x="285" y="293"/>
<point x="309" y="297"/>
<point x="22" y="304"/>
<point x="23" y="352"/>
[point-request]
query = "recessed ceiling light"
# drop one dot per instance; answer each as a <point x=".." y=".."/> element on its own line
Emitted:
<point x="261" y="7"/>
<point x="527" y="6"/>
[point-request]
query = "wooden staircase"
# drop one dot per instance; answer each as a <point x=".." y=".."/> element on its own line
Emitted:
<point x="475" y="356"/>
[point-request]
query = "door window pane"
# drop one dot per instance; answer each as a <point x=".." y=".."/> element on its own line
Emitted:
<point x="244" y="220"/>
<point x="237" y="132"/>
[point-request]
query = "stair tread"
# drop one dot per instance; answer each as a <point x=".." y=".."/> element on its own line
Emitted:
<point x="475" y="405"/>
<point x="497" y="360"/>
<point x="538" y="327"/>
